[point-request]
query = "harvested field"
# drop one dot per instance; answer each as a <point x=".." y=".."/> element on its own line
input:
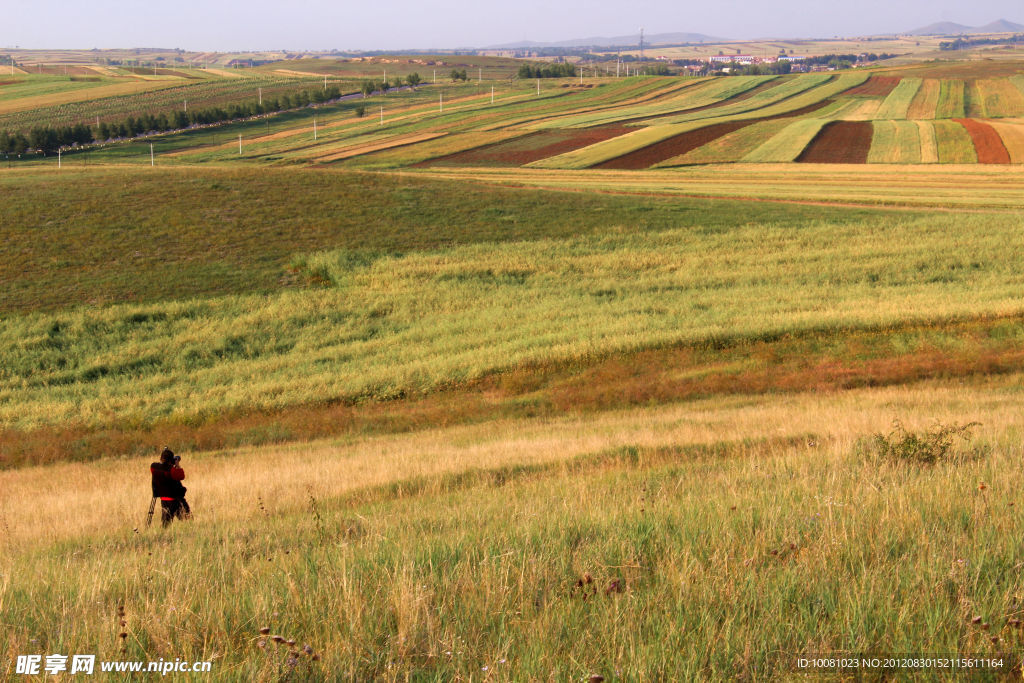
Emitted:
<point x="954" y="143"/>
<point x="924" y="103"/>
<point x="896" y="104"/>
<point x="895" y="142"/>
<point x="987" y="143"/>
<point x="999" y="97"/>
<point x="1012" y="135"/>
<point x="531" y="147"/>
<point x="877" y="86"/>
<point x="929" y="147"/>
<point x="357" y="150"/>
<point x="839" y="142"/>
<point x="732" y="147"/>
<point x="865" y="110"/>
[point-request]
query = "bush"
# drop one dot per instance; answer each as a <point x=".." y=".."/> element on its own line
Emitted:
<point x="936" y="444"/>
<point x="360" y="111"/>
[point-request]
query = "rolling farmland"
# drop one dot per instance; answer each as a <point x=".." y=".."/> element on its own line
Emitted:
<point x="592" y="378"/>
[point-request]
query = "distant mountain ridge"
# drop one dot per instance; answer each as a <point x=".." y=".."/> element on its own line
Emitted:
<point x="614" y="41"/>
<point x="944" y="28"/>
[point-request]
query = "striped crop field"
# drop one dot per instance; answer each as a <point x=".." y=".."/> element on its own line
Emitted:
<point x="771" y="95"/>
<point x="987" y="144"/>
<point x="787" y="144"/>
<point x="732" y="147"/>
<point x="1012" y="134"/>
<point x="929" y="144"/>
<point x="895" y="142"/>
<point x="951" y="100"/>
<point x="925" y="101"/>
<point x="897" y="102"/>
<point x="954" y="143"/>
<point x="702" y="93"/>
<point x="999" y="98"/>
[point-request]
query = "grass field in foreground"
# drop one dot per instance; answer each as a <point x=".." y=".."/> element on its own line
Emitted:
<point x="392" y="325"/>
<point x="716" y="539"/>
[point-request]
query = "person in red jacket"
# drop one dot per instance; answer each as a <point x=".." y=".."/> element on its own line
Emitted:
<point x="167" y="486"/>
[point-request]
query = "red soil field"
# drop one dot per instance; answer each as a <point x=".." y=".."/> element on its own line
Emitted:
<point x="532" y="147"/>
<point x="876" y="85"/>
<point x="685" y="142"/>
<point x="987" y="143"/>
<point x="839" y="142"/>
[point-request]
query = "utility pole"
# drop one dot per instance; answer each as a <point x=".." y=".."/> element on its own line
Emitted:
<point x="325" y="81"/>
<point x="538" y="86"/>
<point x="382" y="115"/>
<point x="314" y="128"/>
<point x="58" y="157"/>
<point x="492" y="94"/>
<point x="239" y="144"/>
<point x="152" y="161"/>
<point x="186" y="106"/>
<point x="261" y="96"/>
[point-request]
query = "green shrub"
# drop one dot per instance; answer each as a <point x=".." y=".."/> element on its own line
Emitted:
<point x="939" y="443"/>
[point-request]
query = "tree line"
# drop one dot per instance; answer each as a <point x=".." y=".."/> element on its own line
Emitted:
<point x="961" y="43"/>
<point x="563" y="70"/>
<point x="48" y="139"/>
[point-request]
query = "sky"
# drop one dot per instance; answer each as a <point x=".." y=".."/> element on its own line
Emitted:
<point x="235" y="25"/>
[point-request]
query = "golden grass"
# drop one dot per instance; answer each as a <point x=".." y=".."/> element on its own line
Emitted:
<point x="923" y="106"/>
<point x="367" y="148"/>
<point x="1012" y="134"/>
<point x="929" y="146"/>
<point x="966" y="187"/>
<point x="999" y="98"/>
<point x="109" y="497"/>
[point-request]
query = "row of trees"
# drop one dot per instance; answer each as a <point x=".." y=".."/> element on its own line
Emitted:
<point x="563" y="70"/>
<point x="368" y="87"/>
<point x="49" y="139"/>
<point x="963" y="43"/>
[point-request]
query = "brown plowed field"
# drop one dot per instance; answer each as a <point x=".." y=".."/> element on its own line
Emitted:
<point x="532" y="147"/>
<point x="876" y="85"/>
<point x="840" y="142"/>
<point x="987" y="143"/>
<point x="689" y="141"/>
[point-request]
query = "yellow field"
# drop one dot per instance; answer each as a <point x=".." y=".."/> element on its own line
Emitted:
<point x="927" y="99"/>
<point x="929" y="146"/>
<point x="963" y="186"/>
<point x="99" y="90"/>
<point x="1012" y="133"/>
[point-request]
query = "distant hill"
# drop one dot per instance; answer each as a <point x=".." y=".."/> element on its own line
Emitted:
<point x="947" y="28"/>
<point x="614" y="41"/>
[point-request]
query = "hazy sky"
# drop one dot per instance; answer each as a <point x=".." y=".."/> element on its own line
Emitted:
<point x="227" y="25"/>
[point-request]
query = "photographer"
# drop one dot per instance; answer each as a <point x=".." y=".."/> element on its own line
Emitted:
<point x="167" y="486"/>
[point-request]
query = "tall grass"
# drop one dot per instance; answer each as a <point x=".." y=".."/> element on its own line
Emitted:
<point x="714" y="540"/>
<point x="391" y="325"/>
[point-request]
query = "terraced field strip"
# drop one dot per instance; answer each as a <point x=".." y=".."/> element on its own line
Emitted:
<point x="865" y="110"/>
<point x="954" y="143"/>
<point x="951" y="100"/>
<point x="924" y="103"/>
<point x="34" y="94"/>
<point x="929" y="187"/>
<point x="1000" y="98"/>
<point x="425" y="152"/>
<point x="367" y="148"/>
<point x="1018" y="82"/>
<point x="556" y="104"/>
<point x="839" y="142"/>
<point x="531" y="147"/>
<point x="731" y="147"/>
<point x="1012" y="134"/>
<point x="805" y="102"/>
<point x="787" y="144"/>
<point x="987" y="143"/>
<point x="672" y="147"/>
<point x="929" y="146"/>
<point x="895" y="142"/>
<point x="782" y="92"/>
<point x="706" y="92"/>
<point x="876" y="86"/>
